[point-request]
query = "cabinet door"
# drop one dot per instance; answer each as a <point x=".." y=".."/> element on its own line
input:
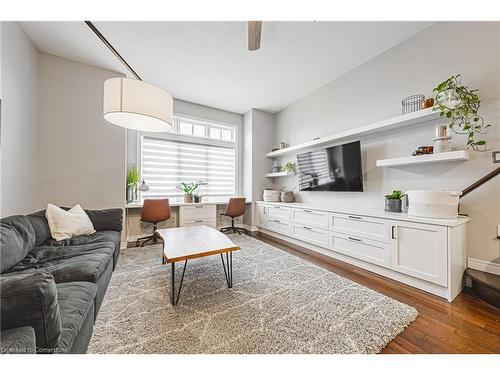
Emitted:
<point x="420" y="250"/>
<point x="261" y="216"/>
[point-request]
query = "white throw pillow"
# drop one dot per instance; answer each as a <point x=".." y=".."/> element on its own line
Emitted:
<point x="66" y="224"/>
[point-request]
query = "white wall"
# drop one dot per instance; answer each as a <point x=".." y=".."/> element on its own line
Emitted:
<point x="262" y="133"/>
<point x="81" y="156"/>
<point x="19" y="122"/>
<point x="373" y="91"/>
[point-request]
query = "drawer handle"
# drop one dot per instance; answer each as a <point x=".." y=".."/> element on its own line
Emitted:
<point x="198" y="221"/>
<point x="277" y="221"/>
<point x="308" y="228"/>
<point x="392" y="232"/>
<point x="198" y="206"/>
<point x="354" y="217"/>
<point x="277" y="207"/>
<point x="307" y="211"/>
<point x="354" y="239"/>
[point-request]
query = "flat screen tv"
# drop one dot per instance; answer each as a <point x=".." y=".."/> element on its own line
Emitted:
<point x="336" y="168"/>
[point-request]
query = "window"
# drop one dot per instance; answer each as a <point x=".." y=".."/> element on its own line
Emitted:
<point x="196" y="151"/>
<point x="203" y="129"/>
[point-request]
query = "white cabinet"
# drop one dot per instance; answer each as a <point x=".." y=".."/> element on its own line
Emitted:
<point x="313" y="218"/>
<point x="426" y="254"/>
<point x="198" y="214"/>
<point x="420" y="250"/>
<point x="360" y="226"/>
<point x="375" y="252"/>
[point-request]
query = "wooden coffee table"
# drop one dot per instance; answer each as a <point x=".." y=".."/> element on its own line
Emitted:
<point x="184" y="243"/>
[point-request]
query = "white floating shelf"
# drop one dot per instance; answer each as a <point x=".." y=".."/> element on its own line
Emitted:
<point x="280" y="174"/>
<point x="408" y="119"/>
<point x="442" y="157"/>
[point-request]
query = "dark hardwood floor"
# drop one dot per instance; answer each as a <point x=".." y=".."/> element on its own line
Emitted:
<point x="467" y="325"/>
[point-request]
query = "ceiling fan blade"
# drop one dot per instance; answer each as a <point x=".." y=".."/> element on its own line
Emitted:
<point x="254" y="29"/>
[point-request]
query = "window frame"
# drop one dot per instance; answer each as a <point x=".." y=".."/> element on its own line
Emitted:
<point x="174" y="136"/>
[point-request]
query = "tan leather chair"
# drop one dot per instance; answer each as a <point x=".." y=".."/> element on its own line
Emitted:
<point x="154" y="211"/>
<point x="235" y="208"/>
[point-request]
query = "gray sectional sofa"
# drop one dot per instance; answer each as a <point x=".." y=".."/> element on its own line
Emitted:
<point x="51" y="290"/>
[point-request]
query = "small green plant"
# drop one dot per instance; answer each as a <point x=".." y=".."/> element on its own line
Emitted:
<point x="289" y="167"/>
<point x="396" y="194"/>
<point x="133" y="177"/>
<point x="190" y="187"/>
<point x="460" y="105"/>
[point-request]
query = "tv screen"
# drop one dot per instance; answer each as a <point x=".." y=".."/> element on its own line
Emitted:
<point x="336" y="168"/>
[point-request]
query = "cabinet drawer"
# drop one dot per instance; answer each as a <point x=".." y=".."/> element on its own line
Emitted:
<point x="194" y="222"/>
<point x="279" y="212"/>
<point x="318" y="219"/>
<point x="198" y="212"/>
<point x="361" y="226"/>
<point x="279" y="226"/>
<point x="312" y="235"/>
<point x="368" y="250"/>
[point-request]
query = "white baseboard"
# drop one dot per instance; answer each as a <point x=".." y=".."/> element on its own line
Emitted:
<point x="482" y="265"/>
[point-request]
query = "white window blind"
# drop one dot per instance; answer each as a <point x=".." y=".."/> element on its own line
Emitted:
<point x="166" y="163"/>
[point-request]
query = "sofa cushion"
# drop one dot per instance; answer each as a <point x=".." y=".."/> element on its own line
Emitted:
<point x="19" y="340"/>
<point x="41" y="227"/>
<point x="17" y="238"/>
<point x="97" y="237"/>
<point x="30" y="299"/>
<point x="66" y="224"/>
<point x="76" y="302"/>
<point x="70" y="263"/>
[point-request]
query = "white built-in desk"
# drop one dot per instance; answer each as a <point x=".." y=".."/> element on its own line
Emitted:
<point x="182" y="215"/>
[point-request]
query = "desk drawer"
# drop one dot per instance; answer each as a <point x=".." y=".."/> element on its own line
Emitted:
<point x="194" y="222"/>
<point x="200" y="211"/>
<point x="312" y="235"/>
<point x="318" y="219"/>
<point x="370" y="251"/>
<point x="361" y="226"/>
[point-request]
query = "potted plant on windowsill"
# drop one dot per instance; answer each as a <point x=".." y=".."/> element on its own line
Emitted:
<point x="132" y="181"/>
<point x="393" y="201"/>
<point x="189" y="189"/>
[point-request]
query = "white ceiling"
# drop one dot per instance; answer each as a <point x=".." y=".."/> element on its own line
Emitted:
<point x="208" y="62"/>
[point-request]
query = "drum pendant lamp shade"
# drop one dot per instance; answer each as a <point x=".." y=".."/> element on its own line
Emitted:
<point x="137" y="105"/>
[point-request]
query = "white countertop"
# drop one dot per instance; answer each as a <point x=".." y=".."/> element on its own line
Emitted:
<point x="374" y="212"/>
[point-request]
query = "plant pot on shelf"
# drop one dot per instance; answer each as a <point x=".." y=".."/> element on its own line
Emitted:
<point x="393" y="205"/>
<point x="188" y="198"/>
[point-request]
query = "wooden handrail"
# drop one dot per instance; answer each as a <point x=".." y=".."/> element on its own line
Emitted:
<point x="481" y="181"/>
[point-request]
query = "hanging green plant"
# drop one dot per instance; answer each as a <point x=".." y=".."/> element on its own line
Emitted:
<point x="460" y="105"/>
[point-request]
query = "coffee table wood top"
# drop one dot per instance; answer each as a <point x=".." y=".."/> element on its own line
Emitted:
<point x="194" y="242"/>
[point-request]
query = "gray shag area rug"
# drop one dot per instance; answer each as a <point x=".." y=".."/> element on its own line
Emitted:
<point x="279" y="304"/>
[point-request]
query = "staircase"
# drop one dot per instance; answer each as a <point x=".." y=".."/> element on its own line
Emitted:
<point x="485" y="285"/>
